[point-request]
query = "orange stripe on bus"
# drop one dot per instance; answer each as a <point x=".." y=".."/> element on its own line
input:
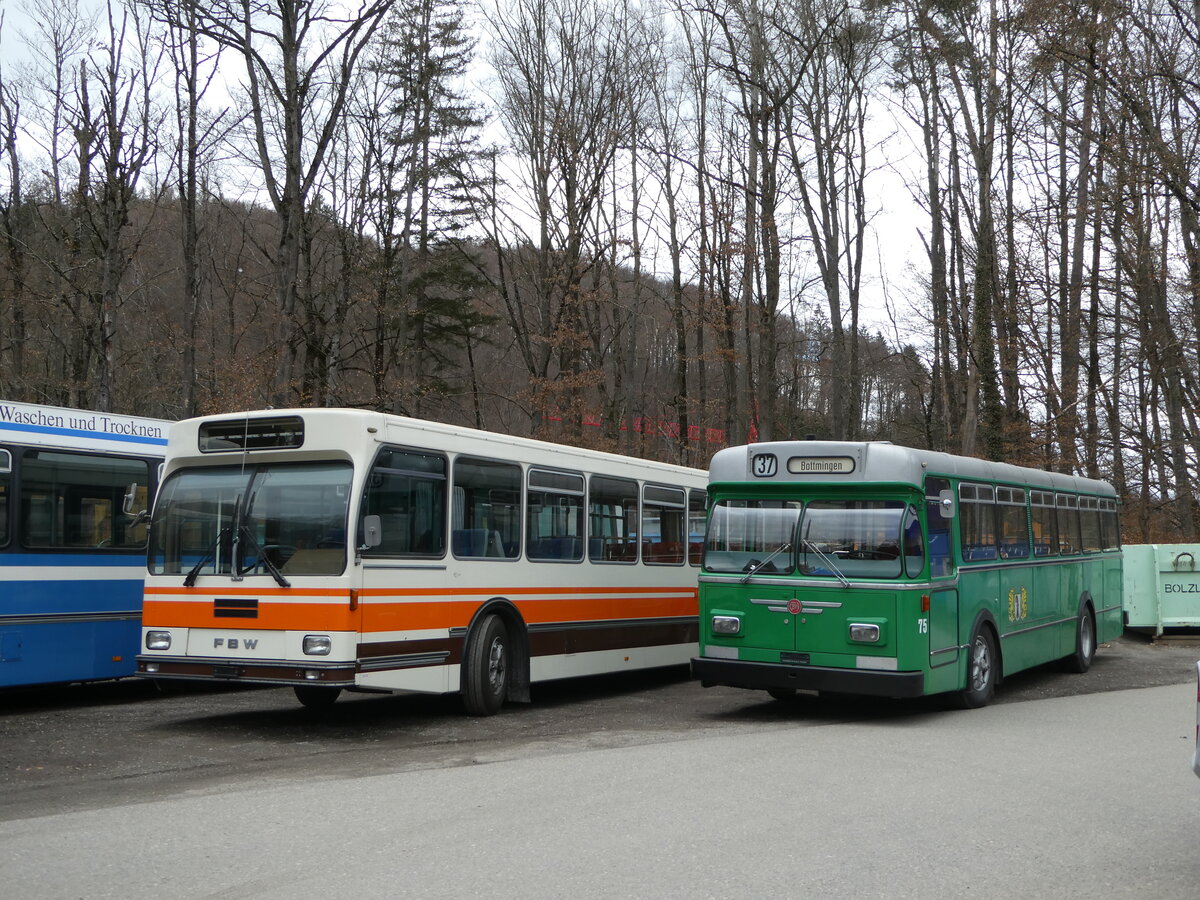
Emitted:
<point x="410" y="615"/>
<point x="271" y="616"/>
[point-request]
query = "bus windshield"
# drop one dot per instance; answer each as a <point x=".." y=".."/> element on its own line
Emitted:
<point x="751" y="535"/>
<point x="268" y="519"/>
<point x="824" y="538"/>
<point x="854" y="537"/>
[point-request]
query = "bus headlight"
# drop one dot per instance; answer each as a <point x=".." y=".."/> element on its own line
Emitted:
<point x="867" y="634"/>
<point x="726" y="624"/>
<point x="158" y="640"/>
<point x="317" y="645"/>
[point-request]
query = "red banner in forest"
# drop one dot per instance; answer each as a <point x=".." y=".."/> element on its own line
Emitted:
<point x="648" y="425"/>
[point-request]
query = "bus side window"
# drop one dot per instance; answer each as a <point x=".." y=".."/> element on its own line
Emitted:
<point x="941" y="559"/>
<point x="612" y="520"/>
<point x="914" y="546"/>
<point x="5" y="476"/>
<point x="554" y="516"/>
<point x="1014" y="528"/>
<point x="1041" y="515"/>
<point x="486" y="510"/>
<point x="407" y="490"/>
<point x="1110" y="526"/>
<point x="76" y="500"/>
<point x="697" y="514"/>
<point x="977" y="517"/>
<point x="1069" y="540"/>
<point x="664" y="515"/>
<point x="1089" y="519"/>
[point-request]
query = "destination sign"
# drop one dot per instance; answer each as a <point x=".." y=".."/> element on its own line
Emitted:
<point x="820" y="465"/>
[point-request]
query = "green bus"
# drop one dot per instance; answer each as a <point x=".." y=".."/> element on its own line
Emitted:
<point x="870" y="568"/>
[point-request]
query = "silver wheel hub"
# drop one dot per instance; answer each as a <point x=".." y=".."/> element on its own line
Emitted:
<point x="496" y="664"/>
<point x="981" y="664"/>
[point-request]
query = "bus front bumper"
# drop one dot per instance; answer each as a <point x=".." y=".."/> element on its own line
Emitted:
<point x="247" y="671"/>
<point x="765" y="676"/>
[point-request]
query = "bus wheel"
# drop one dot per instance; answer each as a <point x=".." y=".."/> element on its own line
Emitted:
<point x="981" y="671"/>
<point x="782" y="694"/>
<point x="314" y="697"/>
<point x="487" y="658"/>
<point x="1085" y="644"/>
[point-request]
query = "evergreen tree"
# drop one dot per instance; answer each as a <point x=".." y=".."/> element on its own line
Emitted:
<point x="426" y="54"/>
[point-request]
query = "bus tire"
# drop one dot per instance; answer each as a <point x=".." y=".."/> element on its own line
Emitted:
<point x="1085" y="643"/>
<point x="488" y="661"/>
<point x="783" y="695"/>
<point x="982" y="663"/>
<point x="312" y="696"/>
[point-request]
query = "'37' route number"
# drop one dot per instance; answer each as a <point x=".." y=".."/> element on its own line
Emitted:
<point x="764" y="465"/>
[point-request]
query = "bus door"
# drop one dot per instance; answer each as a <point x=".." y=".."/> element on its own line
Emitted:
<point x="406" y="614"/>
<point x="943" y="594"/>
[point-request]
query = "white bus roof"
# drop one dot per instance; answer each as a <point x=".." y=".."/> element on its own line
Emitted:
<point x="348" y="432"/>
<point x="81" y="429"/>
<point x="801" y="462"/>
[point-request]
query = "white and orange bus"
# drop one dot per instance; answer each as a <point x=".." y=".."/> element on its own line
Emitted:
<point x="332" y="549"/>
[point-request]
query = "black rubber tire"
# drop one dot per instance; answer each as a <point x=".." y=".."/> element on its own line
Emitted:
<point x="316" y="697"/>
<point x="1085" y="644"/>
<point x="982" y="669"/>
<point x="488" y="662"/>
<point x="783" y="695"/>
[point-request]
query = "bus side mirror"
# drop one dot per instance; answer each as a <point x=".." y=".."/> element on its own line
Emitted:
<point x="128" y="504"/>
<point x="372" y="532"/>
<point x="130" y="499"/>
<point x="946" y="504"/>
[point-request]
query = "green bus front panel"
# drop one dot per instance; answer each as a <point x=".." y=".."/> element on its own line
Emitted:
<point x="798" y="629"/>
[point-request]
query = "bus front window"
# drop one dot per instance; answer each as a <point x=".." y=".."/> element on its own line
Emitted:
<point x="290" y="517"/>
<point x="752" y="535"/>
<point x="856" y="538"/>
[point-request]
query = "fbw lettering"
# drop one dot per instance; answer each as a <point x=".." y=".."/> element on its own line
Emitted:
<point x="235" y="643"/>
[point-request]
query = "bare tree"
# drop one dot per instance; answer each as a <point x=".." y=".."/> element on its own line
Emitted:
<point x="299" y="59"/>
<point x="14" y="222"/>
<point x="560" y="72"/>
<point x="195" y="135"/>
<point x="828" y="149"/>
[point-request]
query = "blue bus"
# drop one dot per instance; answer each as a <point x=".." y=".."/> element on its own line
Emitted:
<point x="75" y="490"/>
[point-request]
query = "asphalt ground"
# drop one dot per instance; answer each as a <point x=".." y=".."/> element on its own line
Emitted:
<point x="1068" y="797"/>
<point x="91" y="746"/>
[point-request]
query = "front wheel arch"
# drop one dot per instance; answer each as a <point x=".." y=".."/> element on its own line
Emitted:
<point x="980" y="687"/>
<point x="518" y="639"/>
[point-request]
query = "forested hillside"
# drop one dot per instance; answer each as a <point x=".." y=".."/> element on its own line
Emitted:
<point x="652" y="227"/>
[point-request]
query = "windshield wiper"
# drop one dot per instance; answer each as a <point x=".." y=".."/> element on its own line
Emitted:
<point x="262" y="557"/>
<point x="190" y="580"/>
<point x="755" y="568"/>
<point x="829" y="562"/>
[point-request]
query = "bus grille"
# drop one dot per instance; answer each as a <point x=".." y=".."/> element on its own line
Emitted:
<point x="235" y="608"/>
